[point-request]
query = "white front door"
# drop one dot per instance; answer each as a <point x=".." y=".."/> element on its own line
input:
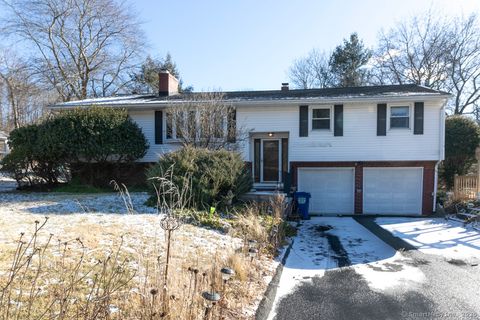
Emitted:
<point x="332" y="189"/>
<point x="392" y="190"/>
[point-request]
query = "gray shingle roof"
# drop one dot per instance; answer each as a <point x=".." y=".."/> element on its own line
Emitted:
<point x="348" y="92"/>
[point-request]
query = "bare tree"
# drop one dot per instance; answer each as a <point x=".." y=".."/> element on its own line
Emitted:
<point x="436" y="52"/>
<point x="204" y="120"/>
<point x="22" y="101"/>
<point x="312" y="71"/>
<point x="82" y="47"/>
<point x="413" y="52"/>
<point x="463" y="56"/>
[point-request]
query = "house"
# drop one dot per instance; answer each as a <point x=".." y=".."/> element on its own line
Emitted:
<point x="3" y="144"/>
<point x="362" y="150"/>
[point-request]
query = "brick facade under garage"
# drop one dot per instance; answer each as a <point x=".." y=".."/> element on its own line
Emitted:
<point x="428" y="177"/>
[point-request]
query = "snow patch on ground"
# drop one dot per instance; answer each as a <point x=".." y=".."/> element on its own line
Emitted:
<point x="394" y="273"/>
<point x="65" y="203"/>
<point x="436" y="236"/>
<point x="382" y="266"/>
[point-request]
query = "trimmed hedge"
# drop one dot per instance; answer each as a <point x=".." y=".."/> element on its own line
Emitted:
<point x="42" y="153"/>
<point x="212" y="177"/>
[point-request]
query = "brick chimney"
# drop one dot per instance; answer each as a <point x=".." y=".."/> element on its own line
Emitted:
<point x="167" y="84"/>
<point x="285" y="86"/>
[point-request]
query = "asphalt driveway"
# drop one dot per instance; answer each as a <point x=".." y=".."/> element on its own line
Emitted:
<point x="342" y="268"/>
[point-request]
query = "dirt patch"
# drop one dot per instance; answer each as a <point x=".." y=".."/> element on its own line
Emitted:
<point x="387" y="267"/>
<point x="340" y="254"/>
<point x="322" y="228"/>
<point x="457" y="262"/>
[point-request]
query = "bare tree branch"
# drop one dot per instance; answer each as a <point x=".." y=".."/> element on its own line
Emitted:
<point x="82" y="48"/>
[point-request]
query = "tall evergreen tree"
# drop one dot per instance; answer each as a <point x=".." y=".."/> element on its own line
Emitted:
<point x="146" y="79"/>
<point x="348" y="62"/>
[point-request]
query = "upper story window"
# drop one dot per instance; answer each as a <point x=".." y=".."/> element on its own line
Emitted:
<point x="321" y="118"/>
<point x="400" y="117"/>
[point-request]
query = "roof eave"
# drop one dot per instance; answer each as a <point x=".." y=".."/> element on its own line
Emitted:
<point x="256" y="102"/>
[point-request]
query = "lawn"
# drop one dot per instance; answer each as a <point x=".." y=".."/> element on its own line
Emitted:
<point x="91" y="259"/>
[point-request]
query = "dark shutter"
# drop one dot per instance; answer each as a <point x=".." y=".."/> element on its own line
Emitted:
<point x="418" y="118"/>
<point x="381" y="119"/>
<point x="284" y="158"/>
<point x="338" y="120"/>
<point x="232" y="126"/>
<point x="158" y="127"/>
<point x="303" y="130"/>
<point x="256" y="160"/>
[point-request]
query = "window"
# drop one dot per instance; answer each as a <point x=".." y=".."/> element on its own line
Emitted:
<point x="399" y="117"/>
<point x="218" y="127"/>
<point x="321" y="118"/>
<point x="169" y="125"/>
<point x="190" y="124"/>
<point x="179" y="124"/>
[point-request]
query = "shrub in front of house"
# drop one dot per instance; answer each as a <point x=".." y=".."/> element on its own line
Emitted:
<point x="209" y="177"/>
<point x="462" y="137"/>
<point x="94" y="137"/>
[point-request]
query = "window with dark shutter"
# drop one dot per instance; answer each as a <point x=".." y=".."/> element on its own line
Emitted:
<point x="418" y="118"/>
<point x="338" y="120"/>
<point x="303" y="130"/>
<point x="381" y="119"/>
<point x="158" y="127"/>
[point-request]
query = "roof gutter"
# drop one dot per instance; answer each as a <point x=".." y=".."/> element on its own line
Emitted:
<point x="247" y="103"/>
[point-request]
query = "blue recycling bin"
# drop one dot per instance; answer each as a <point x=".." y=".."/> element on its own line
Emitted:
<point x="303" y="201"/>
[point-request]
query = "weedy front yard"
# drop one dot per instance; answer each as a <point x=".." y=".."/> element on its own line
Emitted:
<point x="86" y="257"/>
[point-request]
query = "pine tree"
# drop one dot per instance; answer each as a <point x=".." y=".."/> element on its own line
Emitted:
<point x="146" y="79"/>
<point x="348" y="62"/>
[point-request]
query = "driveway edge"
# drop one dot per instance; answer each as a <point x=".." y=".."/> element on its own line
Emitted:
<point x="384" y="235"/>
<point x="265" y="306"/>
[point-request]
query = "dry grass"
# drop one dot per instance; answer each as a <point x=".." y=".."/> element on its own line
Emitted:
<point x="109" y="266"/>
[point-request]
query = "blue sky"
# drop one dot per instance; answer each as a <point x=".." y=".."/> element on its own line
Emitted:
<point x="249" y="44"/>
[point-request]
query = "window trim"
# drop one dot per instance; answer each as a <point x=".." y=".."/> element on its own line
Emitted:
<point x="314" y="107"/>
<point x="389" y="115"/>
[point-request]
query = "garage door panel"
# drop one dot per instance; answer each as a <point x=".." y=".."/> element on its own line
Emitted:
<point x="331" y="189"/>
<point x="392" y="190"/>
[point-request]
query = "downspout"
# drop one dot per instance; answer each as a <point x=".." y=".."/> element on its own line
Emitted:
<point x="435" y="187"/>
<point x="441" y="154"/>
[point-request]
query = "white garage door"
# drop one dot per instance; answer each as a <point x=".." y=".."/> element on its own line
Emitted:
<point x="392" y="190"/>
<point x="332" y="189"/>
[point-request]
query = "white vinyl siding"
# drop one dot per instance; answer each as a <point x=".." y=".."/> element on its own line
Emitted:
<point x="146" y="121"/>
<point x="359" y="141"/>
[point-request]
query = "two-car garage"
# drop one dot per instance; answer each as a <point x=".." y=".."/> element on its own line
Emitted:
<point x="382" y="190"/>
